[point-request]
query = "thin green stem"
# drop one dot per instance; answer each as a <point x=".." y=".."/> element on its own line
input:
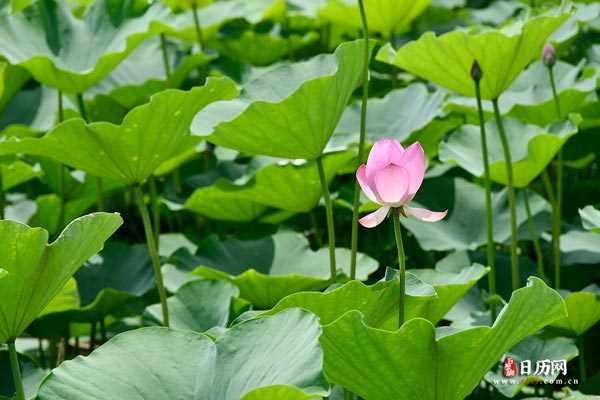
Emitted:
<point x="582" y="370"/>
<point x="165" y="58"/>
<point x="153" y="250"/>
<point x="514" y="258"/>
<point x="155" y="205"/>
<point x="2" y="196"/>
<point x="199" y="35"/>
<point x="491" y="254"/>
<point x="557" y="205"/>
<point x="548" y="186"/>
<point x="361" y="142"/>
<point x="534" y="236"/>
<point x="16" y="371"/>
<point x="401" y="265"/>
<point x="330" y="221"/>
<point x="82" y="109"/>
<point x="61" y="169"/>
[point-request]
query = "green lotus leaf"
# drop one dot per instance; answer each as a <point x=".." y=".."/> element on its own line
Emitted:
<point x="428" y="298"/>
<point x="51" y="323"/>
<point x="70" y="54"/>
<point x="530" y="97"/>
<point x="215" y="15"/>
<point x="580" y="247"/>
<point x="387" y="17"/>
<point x="494" y="14"/>
<point x="18" y="172"/>
<point x="30" y="112"/>
<point x="590" y="218"/>
<point x="447" y="59"/>
<point x="39" y="270"/>
<point x="296" y="120"/>
<point x="149" y="135"/>
<point x="397" y="115"/>
<point x="262" y="48"/>
<point x="275" y="185"/>
<point x="462" y="229"/>
<point x="135" y="80"/>
<point x="533" y="348"/>
<point x="12" y="79"/>
<point x="3" y="273"/>
<point x="358" y="357"/>
<point x="270" y="268"/>
<point x="279" y="392"/>
<point x="31" y="373"/>
<point x="532" y="149"/>
<point x="197" y="306"/>
<point x="583" y="310"/>
<point x="159" y="363"/>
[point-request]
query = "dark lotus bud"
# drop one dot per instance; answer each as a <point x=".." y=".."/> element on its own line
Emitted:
<point x="549" y="55"/>
<point x="476" y="72"/>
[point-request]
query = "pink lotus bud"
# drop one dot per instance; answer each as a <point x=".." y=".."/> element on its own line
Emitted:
<point x="391" y="178"/>
<point x="549" y="55"/>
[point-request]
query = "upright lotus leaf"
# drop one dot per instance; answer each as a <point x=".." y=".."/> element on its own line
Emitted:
<point x="447" y="59"/>
<point x="72" y="54"/>
<point x="590" y="218"/>
<point x="268" y="269"/>
<point x="275" y="185"/>
<point x="462" y="229"/>
<point x="280" y="392"/>
<point x="256" y="48"/>
<point x="159" y="363"/>
<point x="12" y="79"/>
<point x="397" y="116"/>
<point x="30" y="112"/>
<point x="583" y="309"/>
<point x="387" y="17"/>
<point x="530" y="97"/>
<point x="197" y="306"/>
<point x="37" y="271"/>
<point x="18" y="172"/>
<point x="53" y="321"/>
<point x="533" y="348"/>
<point x="149" y="135"/>
<point x="430" y="298"/>
<point x="289" y="112"/>
<point x="532" y="149"/>
<point x="428" y="364"/>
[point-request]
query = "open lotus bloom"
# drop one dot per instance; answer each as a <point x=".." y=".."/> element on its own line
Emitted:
<point x="391" y="178"/>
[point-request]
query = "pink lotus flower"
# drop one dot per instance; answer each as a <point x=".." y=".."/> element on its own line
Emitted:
<point x="391" y="178"/>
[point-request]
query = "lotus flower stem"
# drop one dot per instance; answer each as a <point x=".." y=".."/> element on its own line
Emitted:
<point x="363" y="134"/>
<point x="548" y="186"/>
<point x="99" y="183"/>
<point x="61" y="169"/>
<point x="199" y="36"/>
<point x="401" y="264"/>
<point x="491" y="253"/>
<point x="165" y="58"/>
<point x="330" y="221"/>
<point x="557" y="204"/>
<point x="16" y="371"/>
<point x="155" y="204"/>
<point x="534" y="236"/>
<point x="153" y="250"/>
<point x="514" y="258"/>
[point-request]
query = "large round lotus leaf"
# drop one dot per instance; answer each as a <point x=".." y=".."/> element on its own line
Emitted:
<point x="533" y="348"/>
<point x="532" y="149"/>
<point x="530" y="97"/>
<point x="428" y="364"/>
<point x="262" y="49"/>
<point x="502" y="53"/>
<point x="197" y="306"/>
<point x="212" y="17"/>
<point x="270" y="268"/>
<point x="429" y="299"/>
<point x="583" y="308"/>
<point x="72" y="54"/>
<point x="397" y="115"/>
<point x="387" y="17"/>
<point x="37" y="271"/>
<point x="159" y="363"/>
<point x="463" y="228"/>
<point x="51" y="323"/>
<point x="289" y="112"/>
<point x="149" y="135"/>
<point x="275" y="185"/>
